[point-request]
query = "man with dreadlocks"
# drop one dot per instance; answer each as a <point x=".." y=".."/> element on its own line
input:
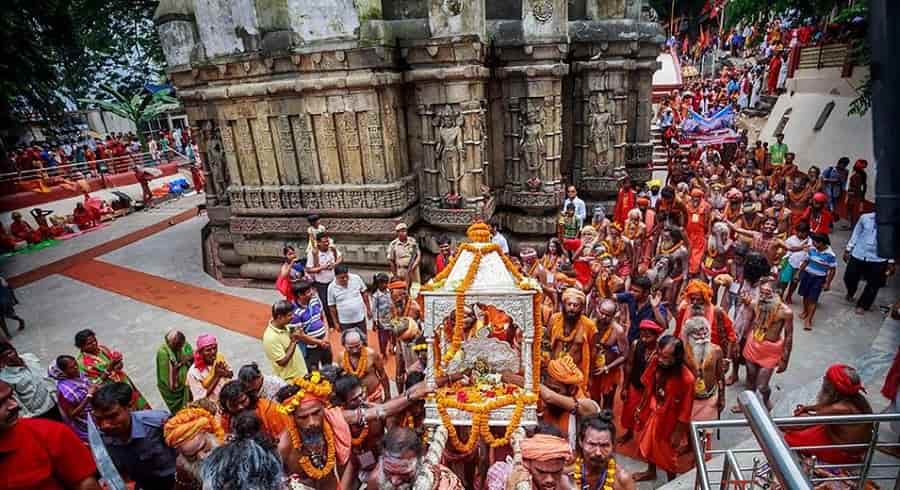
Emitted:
<point x="743" y="292"/>
<point x="840" y="395"/>
<point x="248" y="462"/>
<point x="194" y="433"/>
<point x="769" y="340"/>
<point x="698" y="302"/>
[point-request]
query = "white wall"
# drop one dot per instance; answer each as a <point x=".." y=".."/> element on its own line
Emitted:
<point x="843" y="135"/>
<point x="113" y="123"/>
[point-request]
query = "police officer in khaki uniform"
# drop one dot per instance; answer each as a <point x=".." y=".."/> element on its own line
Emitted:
<point x="404" y="256"/>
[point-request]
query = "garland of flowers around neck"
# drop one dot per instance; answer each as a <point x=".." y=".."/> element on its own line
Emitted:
<point x="360" y="366"/>
<point x="321" y="388"/>
<point x="578" y="473"/>
<point x="361" y="438"/>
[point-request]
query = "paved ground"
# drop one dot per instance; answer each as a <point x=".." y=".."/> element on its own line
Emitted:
<point x="124" y="292"/>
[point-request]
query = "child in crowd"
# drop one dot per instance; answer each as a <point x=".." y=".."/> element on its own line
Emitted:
<point x="798" y="244"/>
<point x="816" y="274"/>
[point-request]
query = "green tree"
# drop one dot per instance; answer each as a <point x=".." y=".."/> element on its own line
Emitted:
<point x="139" y="108"/>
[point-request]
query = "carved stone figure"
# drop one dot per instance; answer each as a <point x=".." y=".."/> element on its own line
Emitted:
<point x="531" y="142"/>
<point x="601" y="136"/>
<point x="543" y="10"/>
<point x="215" y="159"/>
<point x="449" y="149"/>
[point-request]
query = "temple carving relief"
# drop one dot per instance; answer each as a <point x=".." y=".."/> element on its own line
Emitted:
<point x="422" y="111"/>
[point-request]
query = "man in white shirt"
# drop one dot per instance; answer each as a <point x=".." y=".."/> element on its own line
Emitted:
<point x="572" y="198"/>
<point x="498" y="238"/>
<point x="348" y="299"/>
<point x="320" y="263"/>
<point x="864" y="263"/>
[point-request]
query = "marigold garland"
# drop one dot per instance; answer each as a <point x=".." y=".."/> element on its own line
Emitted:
<point x="361" y="438"/>
<point x="305" y="464"/>
<point x="312" y="383"/>
<point x="361" y="366"/>
<point x="610" y="473"/>
<point x="453" y="437"/>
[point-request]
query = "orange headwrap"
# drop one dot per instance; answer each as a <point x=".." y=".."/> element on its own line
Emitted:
<point x="696" y="192"/>
<point x="397" y="285"/>
<point x="543" y="447"/>
<point x="643" y="201"/>
<point x="565" y="371"/>
<point x="697" y="286"/>
<point x="187" y="423"/>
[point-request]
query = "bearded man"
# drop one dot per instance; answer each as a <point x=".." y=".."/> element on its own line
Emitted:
<point x="769" y="341"/>
<point x="572" y="333"/>
<point x="698" y="302"/>
<point x="320" y="436"/>
<point x="671" y="245"/>
<point x="733" y="211"/>
<point x="718" y="253"/>
<point x="839" y="395"/>
<point x="621" y="249"/>
<point x="366" y="364"/>
<point x="610" y="348"/>
<point x="648" y="244"/>
<point x="781" y="214"/>
<point x="596" y="447"/>
<point x="750" y="218"/>
<point x="367" y="424"/>
<point x="636" y="362"/>
<point x="194" y="433"/>
<point x="402" y="461"/>
<point x="764" y="241"/>
<point x="697" y="228"/>
<point x="798" y="197"/>
<point x="709" y="365"/>
<point x="820" y="219"/>
<point x="664" y="413"/>
<point x="741" y="295"/>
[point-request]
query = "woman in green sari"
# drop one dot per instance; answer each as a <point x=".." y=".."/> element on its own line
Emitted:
<point x="173" y="359"/>
<point x="102" y="365"/>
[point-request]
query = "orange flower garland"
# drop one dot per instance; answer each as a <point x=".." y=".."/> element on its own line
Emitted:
<point x="360" y="370"/>
<point x="305" y="464"/>
<point x="453" y="437"/>
<point x="357" y="441"/>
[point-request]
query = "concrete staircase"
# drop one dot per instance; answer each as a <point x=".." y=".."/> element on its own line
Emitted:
<point x="659" y="151"/>
<point x="766" y="103"/>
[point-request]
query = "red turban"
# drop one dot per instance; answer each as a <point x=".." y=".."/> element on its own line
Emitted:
<point x="820" y="197"/>
<point x="397" y="285"/>
<point x="860" y="164"/>
<point x="837" y="375"/>
<point x="697" y="286"/>
<point x="696" y="192"/>
<point x="651" y="326"/>
<point x="643" y="201"/>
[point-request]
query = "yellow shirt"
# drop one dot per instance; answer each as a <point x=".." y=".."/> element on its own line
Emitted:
<point x="276" y="342"/>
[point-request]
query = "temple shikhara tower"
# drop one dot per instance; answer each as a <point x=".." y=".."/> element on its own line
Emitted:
<point x="430" y="112"/>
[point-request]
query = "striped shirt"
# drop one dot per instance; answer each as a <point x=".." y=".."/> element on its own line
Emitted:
<point x="819" y="263"/>
<point x="309" y="318"/>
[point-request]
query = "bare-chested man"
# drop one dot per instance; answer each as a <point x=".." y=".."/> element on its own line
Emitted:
<point x="709" y="365"/>
<point x="610" y="348"/>
<point x="781" y="214"/>
<point x="764" y="241"/>
<point x="770" y="339"/>
<point x="366" y="364"/>
<point x="572" y="333"/>
<point x="596" y="448"/>
<point x="671" y="245"/>
<point x="839" y="395"/>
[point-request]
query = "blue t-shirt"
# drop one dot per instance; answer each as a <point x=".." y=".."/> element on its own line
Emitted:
<point x="820" y="262"/>
<point x="639" y="315"/>
<point x="309" y="318"/>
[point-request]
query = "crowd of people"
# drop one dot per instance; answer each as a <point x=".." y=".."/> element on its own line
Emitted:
<point x="649" y="311"/>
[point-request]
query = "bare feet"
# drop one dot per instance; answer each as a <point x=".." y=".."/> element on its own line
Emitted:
<point x="644" y="476"/>
<point x="802" y="315"/>
<point x="21" y="324"/>
<point x="736" y="409"/>
<point x="860" y="311"/>
<point x="807" y="323"/>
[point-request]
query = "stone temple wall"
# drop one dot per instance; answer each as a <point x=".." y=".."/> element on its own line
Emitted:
<point x="430" y="112"/>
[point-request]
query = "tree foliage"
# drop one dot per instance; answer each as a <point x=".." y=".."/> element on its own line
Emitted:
<point x="55" y="52"/>
<point x="140" y="107"/>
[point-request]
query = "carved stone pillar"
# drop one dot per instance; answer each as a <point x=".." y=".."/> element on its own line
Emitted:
<point x="611" y="105"/>
<point x="447" y="119"/>
<point x="530" y="114"/>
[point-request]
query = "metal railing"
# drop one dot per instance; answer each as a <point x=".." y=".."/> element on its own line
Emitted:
<point x="96" y="168"/>
<point x="779" y="465"/>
